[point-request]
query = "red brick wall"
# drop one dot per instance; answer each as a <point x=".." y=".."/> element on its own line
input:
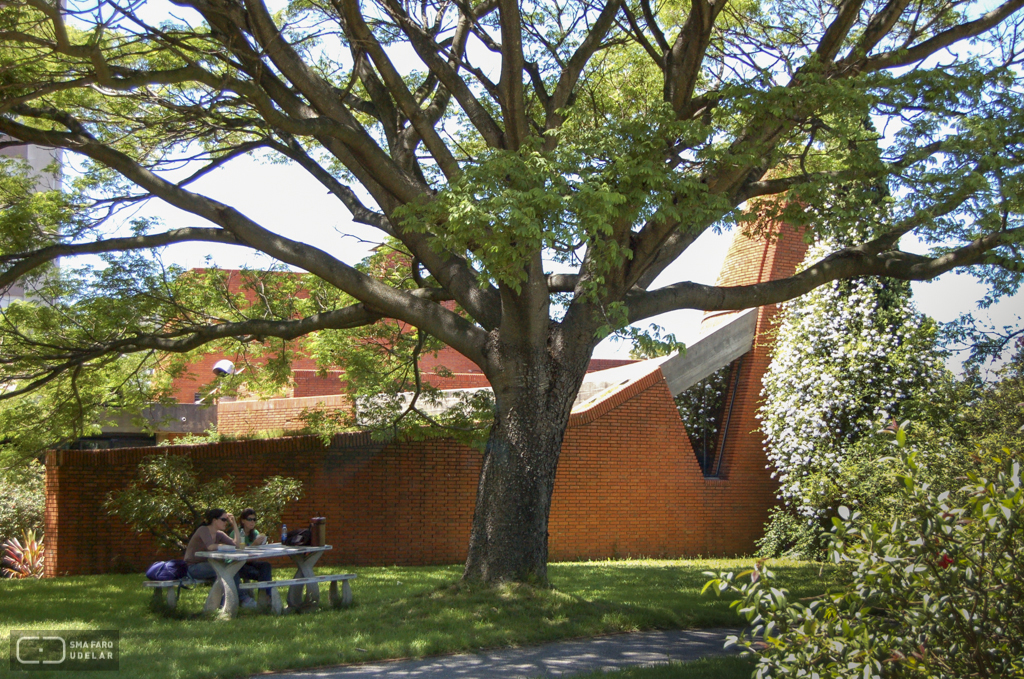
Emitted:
<point x="737" y="503"/>
<point x="627" y="484"/>
<point x="246" y="418"/>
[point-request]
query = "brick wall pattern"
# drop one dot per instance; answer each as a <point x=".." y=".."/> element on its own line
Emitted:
<point x="627" y="484"/>
<point x="744" y="487"/>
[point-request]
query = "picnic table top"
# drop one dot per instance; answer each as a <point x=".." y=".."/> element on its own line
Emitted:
<point x="262" y="552"/>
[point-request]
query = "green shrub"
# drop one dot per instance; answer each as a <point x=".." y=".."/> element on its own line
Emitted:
<point x="847" y="356"/>
<point x="788" y="535"/>
<point x="23" y="501"/>
<point x="168" y="501"/>
<point x="936" y="592"/>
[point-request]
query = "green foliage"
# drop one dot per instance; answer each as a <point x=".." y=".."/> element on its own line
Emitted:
<point x="325" y="422"/>
<point x="465" y="415"/>
<point x="966" y="424"/>
<point x="990" y="413"/>
<point x="211" y="435"/>
<point x="68" y="313"/>
<point x="507" y="205"/>
<point x="24" y="500"/>
<point x="653" y="342"/>
<point x="31" y="219"/>
<point x="848" y="357"/>
<point x="789" y="535"/>
<point x="191" y="299"/>
<point x="935" y="592"/>
<point x="383" y="374"/>
<point x="702" y="409"/>
<point x="24" y="558"/>
<point x="168" y="500"/>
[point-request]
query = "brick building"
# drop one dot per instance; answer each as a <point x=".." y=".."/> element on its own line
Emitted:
<point x="628" y="481"/>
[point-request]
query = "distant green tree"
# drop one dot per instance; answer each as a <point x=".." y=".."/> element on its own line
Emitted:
<point x="168" y="501"/>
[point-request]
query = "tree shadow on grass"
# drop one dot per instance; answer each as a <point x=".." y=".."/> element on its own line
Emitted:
<point x="398" y="612"/>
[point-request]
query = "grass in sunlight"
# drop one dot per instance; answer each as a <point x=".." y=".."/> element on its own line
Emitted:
<point x="398" y="612"/>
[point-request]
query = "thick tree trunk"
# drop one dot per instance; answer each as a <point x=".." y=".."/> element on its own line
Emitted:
<point x="509" y="538"/>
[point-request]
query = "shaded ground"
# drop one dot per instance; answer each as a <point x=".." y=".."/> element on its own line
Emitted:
<point x="606" y="653"/>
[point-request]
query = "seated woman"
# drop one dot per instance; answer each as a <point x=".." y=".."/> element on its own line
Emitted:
<point x="206" y="537"/>
<point x="252" y="570"/>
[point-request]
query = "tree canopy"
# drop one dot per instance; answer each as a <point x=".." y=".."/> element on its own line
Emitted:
<point x="496" y="141"/>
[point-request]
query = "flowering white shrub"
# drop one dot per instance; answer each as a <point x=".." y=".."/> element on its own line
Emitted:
<point x="848" y="356"/>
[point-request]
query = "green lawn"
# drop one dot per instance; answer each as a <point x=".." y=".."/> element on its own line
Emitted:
<point x="398" y="612"/>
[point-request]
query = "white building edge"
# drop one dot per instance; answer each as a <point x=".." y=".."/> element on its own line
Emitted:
<point x="39" y="159"/>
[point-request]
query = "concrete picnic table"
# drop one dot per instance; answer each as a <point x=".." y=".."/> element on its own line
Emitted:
<point x="227" y="562"/>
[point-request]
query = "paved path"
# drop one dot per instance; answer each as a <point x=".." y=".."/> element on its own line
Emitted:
<point x="550" y="660"/>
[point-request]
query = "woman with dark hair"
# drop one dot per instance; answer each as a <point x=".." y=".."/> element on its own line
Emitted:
<point x="210" y="533"/>
<point x="260" y="571"/>
<point x="252" y="537"/>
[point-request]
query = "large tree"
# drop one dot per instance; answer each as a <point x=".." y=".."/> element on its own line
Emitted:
<point x="493" y="137"/>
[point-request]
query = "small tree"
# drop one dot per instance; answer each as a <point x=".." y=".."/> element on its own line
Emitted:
<point x="168" y="501"/>
<point x="847" y="356"/>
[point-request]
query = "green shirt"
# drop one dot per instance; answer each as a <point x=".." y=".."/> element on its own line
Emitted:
<point x="247" y="540"/>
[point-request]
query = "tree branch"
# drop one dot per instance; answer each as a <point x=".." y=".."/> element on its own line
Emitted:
<point x="837" y="31"/>
<point x="510" y="85"/>
<point x="26" y="262"/>
<point x="435" y="319"/>
<point x="430" y="52"/>
<point x="324" y="97"/>
<point x="396" y="85"/>
<point x="941" y="41"/>
<point x="574" y="67"/>
<point x="360" y="213"/>
<point x="683" y="61"/>
<point x="851" y="262"/>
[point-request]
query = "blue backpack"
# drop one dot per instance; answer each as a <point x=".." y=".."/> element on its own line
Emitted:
<point x="175" y="569"/>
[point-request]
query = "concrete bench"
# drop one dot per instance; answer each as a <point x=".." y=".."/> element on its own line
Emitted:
<point x="170" y="588"/>
<point x="270" y="589"/>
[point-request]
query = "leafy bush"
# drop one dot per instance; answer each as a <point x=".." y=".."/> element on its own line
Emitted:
<point x="23" y="501"/>
<point x="935" y="593"/>
<point x="24" y="558"/>
<point x="168" y="501"/>
<point x="847" y="356"/>
<point x="789" y="535"/>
